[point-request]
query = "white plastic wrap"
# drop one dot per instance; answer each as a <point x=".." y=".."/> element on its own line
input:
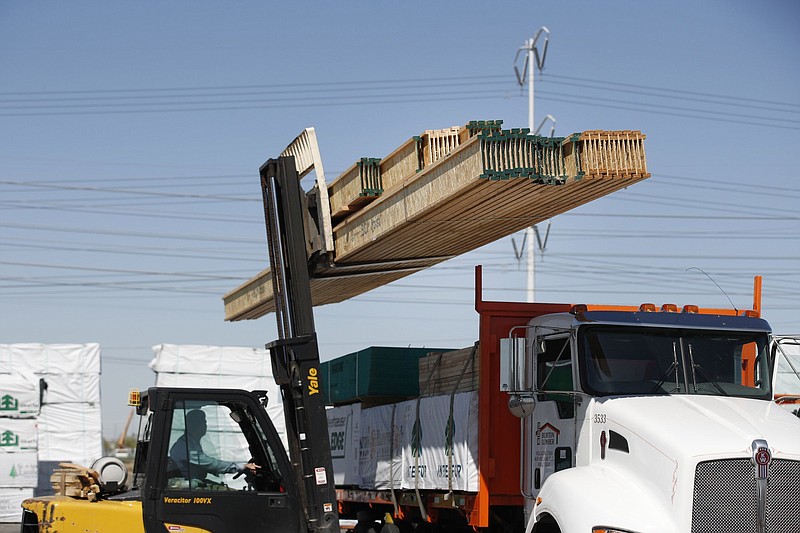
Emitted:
<point x="10" y="503"/>
<point x="211" y="360"/>
<point x="72" y="388"/>
<point x="440" y="462"/>
<point x="17" y="435"/>
<point x="391" y="456"/>
<point x="344" y="432"/>
<point x="50" y="358"/>
<point x="18" y="470"/>
<point x="70" y="432"/>
<point x="19" y="395"/>
<point x="381" y="446"/>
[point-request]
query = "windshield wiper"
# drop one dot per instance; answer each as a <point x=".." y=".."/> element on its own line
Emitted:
<point x="697" y="369"/>
<point x="673" y="366"/>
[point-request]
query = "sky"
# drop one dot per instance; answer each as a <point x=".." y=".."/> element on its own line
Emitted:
<point x="132" y="134"/>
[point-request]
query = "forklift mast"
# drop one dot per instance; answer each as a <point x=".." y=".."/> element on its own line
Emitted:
<point x="295" y="354"/>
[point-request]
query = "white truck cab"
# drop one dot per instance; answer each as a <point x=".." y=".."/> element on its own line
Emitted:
<point x="651" y="421"/>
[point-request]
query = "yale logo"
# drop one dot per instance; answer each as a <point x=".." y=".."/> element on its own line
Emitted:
<point x="313" y="381"/>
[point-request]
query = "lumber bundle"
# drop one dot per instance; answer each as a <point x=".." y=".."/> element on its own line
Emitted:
<point x="76" y="481"/>
<point x="449" y="372"/>
<point x="447" y="192"/>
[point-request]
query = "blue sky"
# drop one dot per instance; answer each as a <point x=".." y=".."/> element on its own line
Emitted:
<point x="132" y="133"/>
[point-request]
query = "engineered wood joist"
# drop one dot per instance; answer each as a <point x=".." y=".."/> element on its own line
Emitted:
<point x="450" y="191"/>
<point x="254" y="298"/>
<point x="487" y="189"/>
<point x="359" y="184"/>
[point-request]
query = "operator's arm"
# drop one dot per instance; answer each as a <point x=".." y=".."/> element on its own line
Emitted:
<point x="215" y="466"/>
<point x="210" y="464"/>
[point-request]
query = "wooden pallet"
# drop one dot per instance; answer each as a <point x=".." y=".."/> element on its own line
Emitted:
<point x="76" y="481"/>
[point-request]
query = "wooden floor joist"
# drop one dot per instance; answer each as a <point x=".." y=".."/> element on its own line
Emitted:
<point x="462" y="188"/>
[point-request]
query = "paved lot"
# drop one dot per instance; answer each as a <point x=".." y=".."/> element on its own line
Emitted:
<point x="9" y="528"/>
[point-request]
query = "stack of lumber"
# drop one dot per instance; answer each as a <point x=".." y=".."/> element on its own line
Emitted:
<point x="76" y="481"/>
<point x="447" y="192"/>
<point x="449" y="372"/>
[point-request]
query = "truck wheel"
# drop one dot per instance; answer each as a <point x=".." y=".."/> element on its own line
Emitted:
<point x="546" y="525"/>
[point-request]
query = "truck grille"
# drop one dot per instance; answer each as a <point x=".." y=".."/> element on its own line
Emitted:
<point x="725" y="497"/>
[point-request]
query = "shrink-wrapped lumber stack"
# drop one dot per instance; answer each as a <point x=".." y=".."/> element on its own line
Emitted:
<point x="50" y="413"/>
<point x="447" y="192"/>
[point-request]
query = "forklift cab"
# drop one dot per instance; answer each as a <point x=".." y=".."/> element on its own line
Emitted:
<point x="189" y="475"/>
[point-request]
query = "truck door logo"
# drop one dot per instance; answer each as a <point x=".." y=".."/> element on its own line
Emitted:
<point x="547" y="435"/>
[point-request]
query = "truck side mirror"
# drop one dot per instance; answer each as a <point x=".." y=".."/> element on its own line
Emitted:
<point x="513" y="365"/>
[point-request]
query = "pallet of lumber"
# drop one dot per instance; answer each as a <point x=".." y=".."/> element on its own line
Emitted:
<point x="449" y="372"/>
<point x="447" y="192"/>
<point x="76" y="481"/>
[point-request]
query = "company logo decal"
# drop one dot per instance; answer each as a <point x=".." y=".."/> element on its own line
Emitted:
<point x="9" y="438"/>
<point x="547" y="435"/>
<point x="761" y="459"/>
<point x="8" y="403"/>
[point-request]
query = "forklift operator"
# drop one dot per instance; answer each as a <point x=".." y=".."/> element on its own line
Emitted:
<point x="189" y="458"/>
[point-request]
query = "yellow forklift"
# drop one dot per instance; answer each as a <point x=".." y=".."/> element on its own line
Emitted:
<point x="179" y="485"/>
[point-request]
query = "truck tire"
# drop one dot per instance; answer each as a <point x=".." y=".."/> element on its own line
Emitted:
<point x="546" y="525"/>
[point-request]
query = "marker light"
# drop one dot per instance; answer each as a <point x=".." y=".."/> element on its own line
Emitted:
<point x="648" y="308"/>
<point x="669" y="308"/>
<point x="134" y="398"/>
<point x="691" y="309"/>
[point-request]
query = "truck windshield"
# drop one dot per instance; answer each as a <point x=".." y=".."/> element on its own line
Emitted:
<point x="621" y="360"/>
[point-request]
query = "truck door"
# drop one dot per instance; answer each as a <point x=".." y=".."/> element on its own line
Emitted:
<point x="550" y="432"/>
<point x="207" y="438"/>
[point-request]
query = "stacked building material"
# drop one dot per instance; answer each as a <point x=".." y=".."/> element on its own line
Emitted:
<point x="414" y="444"/>
<point x="66" y="379"/>
<point x="374" y="375"/>
<point x="449" y="372"/>
<point x="19" y="407"/>
<point x="447" y="192"/>
<point x="220" y="367"/>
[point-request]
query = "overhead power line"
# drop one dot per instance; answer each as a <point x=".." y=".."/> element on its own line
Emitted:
<point x="387" y="92"/>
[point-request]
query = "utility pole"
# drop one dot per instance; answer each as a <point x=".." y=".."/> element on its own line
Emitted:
<point x="532" y="60"/>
